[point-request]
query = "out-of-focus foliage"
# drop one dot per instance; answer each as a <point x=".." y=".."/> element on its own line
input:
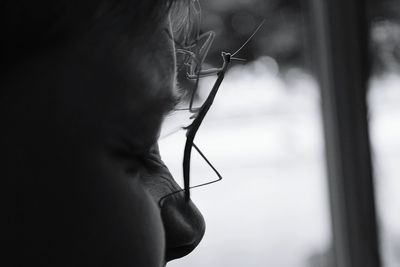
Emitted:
<point x="285" y="35"/>
<point x="235" y="20"/>
<point x="385" y="45"/>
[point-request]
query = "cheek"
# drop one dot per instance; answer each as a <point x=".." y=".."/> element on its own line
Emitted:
<point x="159" y="66"/>
<point x="149" y="72"/>
<point x="149" y="75"/>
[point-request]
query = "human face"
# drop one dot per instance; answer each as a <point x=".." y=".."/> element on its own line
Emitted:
<point x="90" y="176"/>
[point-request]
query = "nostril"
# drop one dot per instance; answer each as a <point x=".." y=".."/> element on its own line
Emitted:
<point x="184" y="227"/>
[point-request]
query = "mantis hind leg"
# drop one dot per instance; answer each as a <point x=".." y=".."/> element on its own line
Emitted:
<point x="210" y="165"/>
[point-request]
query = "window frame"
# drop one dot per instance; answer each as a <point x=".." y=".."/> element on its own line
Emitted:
<point x="340" y="30"/>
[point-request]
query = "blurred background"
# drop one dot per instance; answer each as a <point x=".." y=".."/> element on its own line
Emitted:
<point x="264" y="135"/>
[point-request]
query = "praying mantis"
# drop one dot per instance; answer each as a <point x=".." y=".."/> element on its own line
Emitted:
<point x="194" y="73"/>
<point x="200" y="113"/>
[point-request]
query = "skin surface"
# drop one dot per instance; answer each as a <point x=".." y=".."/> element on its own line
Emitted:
<point x="82" y="169"/>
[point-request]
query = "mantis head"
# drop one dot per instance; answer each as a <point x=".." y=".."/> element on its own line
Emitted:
<point x="226" y="56"/>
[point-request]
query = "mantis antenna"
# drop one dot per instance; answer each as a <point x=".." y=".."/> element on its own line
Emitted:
<point x="248" y="40"/>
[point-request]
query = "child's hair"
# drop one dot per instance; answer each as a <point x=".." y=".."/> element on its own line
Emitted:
<point x="31" y="27"/>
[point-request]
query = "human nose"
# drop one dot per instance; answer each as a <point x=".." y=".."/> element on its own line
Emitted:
<point x="183" y="223"/>
<point x="184" y="226"/>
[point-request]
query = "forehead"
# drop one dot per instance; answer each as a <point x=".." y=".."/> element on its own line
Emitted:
<point x="101" y="76"/>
